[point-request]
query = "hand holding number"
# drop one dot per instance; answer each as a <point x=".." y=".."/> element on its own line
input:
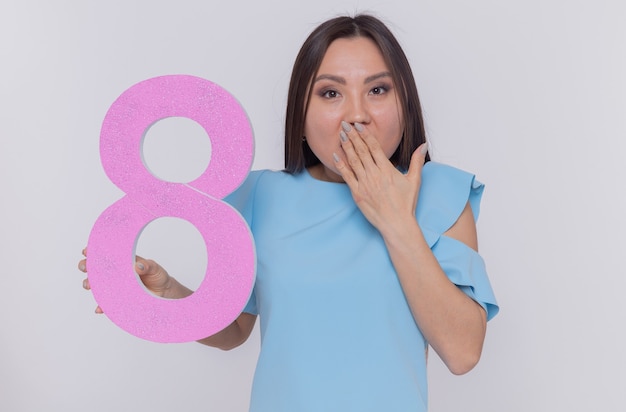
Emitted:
<point x="152" y="275"/>
<point x="381" y="192"/>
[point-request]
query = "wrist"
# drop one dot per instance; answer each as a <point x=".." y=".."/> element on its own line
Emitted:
<point x="404" y="233"/>
<point x="399" y="227"/>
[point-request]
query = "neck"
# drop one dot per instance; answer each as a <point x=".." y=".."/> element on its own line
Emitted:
<point x="321" y="172"/>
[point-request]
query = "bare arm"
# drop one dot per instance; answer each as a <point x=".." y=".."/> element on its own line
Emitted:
<point x="159" y="282"/>
<point x="452" y="323"/>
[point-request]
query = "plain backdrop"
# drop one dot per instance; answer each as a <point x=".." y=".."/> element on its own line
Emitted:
<point x="529" y="95"/>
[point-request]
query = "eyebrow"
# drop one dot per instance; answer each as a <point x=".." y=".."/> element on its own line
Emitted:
<point x="341" y="80"/>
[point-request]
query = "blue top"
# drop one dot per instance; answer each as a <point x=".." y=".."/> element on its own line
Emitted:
<point x="337" y="333"/>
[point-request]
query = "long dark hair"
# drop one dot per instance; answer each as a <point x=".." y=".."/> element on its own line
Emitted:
<point x="298" y="155"/>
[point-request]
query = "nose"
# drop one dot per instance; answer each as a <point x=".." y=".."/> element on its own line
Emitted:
<point x="357" y="111"/>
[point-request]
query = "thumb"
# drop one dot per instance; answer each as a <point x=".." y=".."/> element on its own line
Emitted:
<point x="152" y="275"/>
<point x="146" y="266"/>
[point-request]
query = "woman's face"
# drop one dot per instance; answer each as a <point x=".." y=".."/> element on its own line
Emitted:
<point x="353" y="84"/>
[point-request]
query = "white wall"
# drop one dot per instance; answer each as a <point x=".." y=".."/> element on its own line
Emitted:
<point x="531" y="96"/>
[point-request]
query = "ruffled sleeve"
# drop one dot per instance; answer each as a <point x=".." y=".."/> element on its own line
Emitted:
<point x="443" y="195"/>
<point x="242" y="199"/>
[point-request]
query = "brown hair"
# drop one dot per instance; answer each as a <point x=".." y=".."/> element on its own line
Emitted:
<point x="298" y="155"/>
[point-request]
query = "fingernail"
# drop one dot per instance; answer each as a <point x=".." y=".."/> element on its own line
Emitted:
<point x="424" y="148"/>
<point x="359" y="127"/>
<point x="140" y="266"/>
<point x="345" y="126"/>
<point x="335" y="157"/>
<point x="85" y="284"/>
<point x="82" y="267"/>
<point x="343" y="136"/>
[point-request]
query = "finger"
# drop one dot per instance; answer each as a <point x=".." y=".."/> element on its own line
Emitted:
<point x="99" y="310"/>
<point x="353" y="160"/>
<point x="82" y="264"/>
<point x="345" y="171"/>
<point x="374" y="150"/>
<point x="359" y="147"/>
<point x="86" y="284"/>
<point x="417" y="161"/>
<point x="147" y="267"/>
<point x="143" y="266"/>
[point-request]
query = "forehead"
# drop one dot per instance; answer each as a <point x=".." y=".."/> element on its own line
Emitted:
<point x="351" y="55"/>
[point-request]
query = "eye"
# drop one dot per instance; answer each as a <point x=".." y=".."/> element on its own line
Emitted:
<point x="329" y="93"/>
<point x="379" y="90"/>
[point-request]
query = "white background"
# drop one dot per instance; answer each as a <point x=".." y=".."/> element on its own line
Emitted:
<point x="529" y="95"/>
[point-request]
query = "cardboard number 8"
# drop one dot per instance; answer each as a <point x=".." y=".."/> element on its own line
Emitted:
<point x="230" y="273"/>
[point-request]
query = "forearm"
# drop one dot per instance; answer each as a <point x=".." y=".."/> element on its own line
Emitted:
<point x="452" y="323"/>
<point x="232" y="336"/>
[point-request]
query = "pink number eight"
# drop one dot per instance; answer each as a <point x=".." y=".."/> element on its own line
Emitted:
<point x="230" y="273"/>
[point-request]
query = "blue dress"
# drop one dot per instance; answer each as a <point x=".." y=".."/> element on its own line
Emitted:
<point x="337" y="333"/>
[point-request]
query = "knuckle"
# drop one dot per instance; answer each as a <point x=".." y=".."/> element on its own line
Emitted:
<point x="354" y="162"/>
<point x="361" y="150"/>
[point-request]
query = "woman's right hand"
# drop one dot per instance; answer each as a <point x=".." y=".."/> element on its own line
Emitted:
<point x="152" y="275"/>
<point x="158" y="281"/>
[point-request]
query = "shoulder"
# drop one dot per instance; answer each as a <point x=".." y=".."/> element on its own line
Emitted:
<point x="259" y="183"/>
<point x="263" y="178"/>
<point x="445" y="193"/>
<point x="243" y="197"/>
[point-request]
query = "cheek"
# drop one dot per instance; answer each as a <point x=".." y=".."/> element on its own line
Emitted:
<point x="393" y="130"/>
<point x="320" y="125"/>
<point x="310" y="123"/>
<point x="390" y="146"/>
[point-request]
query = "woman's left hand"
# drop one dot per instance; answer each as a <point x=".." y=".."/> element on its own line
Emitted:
<point x="383" y="194"/>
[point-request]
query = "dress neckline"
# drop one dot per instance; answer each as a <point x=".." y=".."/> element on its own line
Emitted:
<point x="310" y="176"/>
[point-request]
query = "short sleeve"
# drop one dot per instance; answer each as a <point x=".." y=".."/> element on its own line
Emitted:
<point x="466" y="269"/>
<point x="444" y="193"/>
<point x="242" y="199"/>
<point x="251" y="305"/>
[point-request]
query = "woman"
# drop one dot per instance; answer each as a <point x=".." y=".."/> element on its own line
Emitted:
<point x="366" y="252"/>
